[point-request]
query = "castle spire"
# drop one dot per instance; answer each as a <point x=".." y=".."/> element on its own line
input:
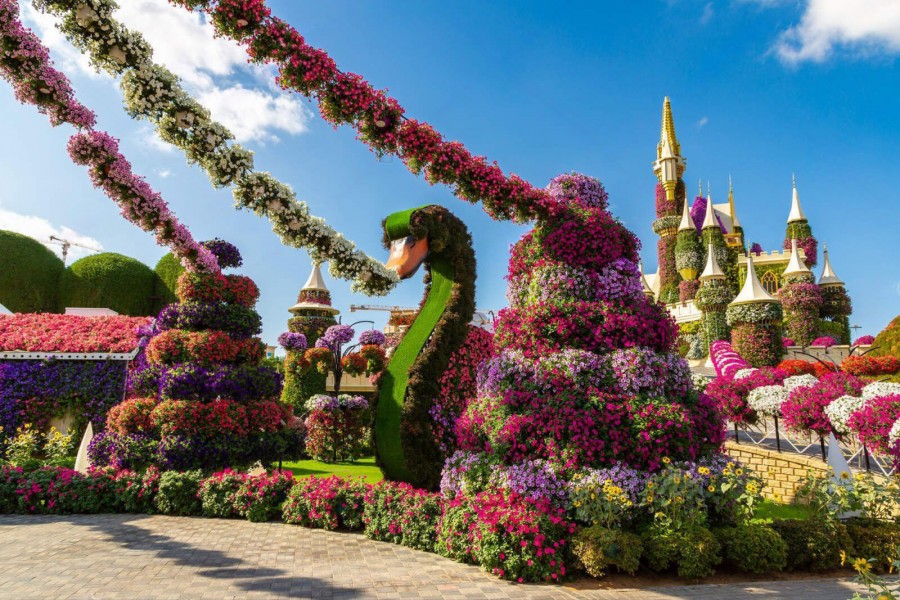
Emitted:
<point x="734" y="219"/>
<point x="795" y="265"/>
<point x="687" y="223"/>
<point x="796" y="210"/>
<point x="828" y="277"/>
<point x="669" y="165"/>
<point x="712" y="269"/>
<point x="709" y="220"/>
<point x="314" y="298"/>
<point x="753" y="291"/>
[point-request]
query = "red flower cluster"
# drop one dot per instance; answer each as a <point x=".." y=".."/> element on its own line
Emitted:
<point x="184" y="417"/>
<point x="131" y="416"/>
<point x="68" y="333"/>
<point x="326" y="503"/>
<point x="206" y="347"/>
<point x="215" y="287"/>
<point x="797" y="367"/>
<point x="871" y="366"/>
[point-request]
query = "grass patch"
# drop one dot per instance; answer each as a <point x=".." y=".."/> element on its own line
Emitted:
<point x="768" y="509"/>
<point x="364" y="467"/>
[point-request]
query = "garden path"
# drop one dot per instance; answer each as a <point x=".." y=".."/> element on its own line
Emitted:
<point x="140" y="556"/>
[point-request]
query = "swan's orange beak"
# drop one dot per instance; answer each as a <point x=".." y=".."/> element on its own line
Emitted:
<point x="407" y="255"/>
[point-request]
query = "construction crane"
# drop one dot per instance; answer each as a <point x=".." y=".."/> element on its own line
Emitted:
<point x="391" y="309"/>
<point x="66" y="244"/>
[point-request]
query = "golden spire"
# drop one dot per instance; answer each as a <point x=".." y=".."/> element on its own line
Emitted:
<point x="667" y="130"/>
<point x="700" y="186"/>
<point x="734" y="220"/>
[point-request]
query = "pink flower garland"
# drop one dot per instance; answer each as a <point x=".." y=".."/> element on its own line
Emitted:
<point x="378" y="119"/>
<point x="25" y="63"/>
<point x="68" y="333"/>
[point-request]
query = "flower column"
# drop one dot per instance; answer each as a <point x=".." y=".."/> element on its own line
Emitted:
<point x="801" y="300"/>
<point x="688" y="256"/>
<point x="836" y="304"/>
<point x="713" y="298"/>
<point x="755" y="320"/>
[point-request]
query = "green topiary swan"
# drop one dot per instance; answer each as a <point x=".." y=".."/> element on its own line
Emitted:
<point x="405" y="445"/>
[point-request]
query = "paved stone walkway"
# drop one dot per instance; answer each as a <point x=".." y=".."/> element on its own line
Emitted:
<point x="139" y="556"/>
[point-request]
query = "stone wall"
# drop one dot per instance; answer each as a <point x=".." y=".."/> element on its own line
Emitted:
<point x="782" y="472"/>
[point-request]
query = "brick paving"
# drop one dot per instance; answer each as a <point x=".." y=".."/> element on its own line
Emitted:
<point x="140" y="556"/>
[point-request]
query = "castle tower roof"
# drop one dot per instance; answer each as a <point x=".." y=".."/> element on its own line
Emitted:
<point x="669" y="164"/>
<point x="314" y="296"/>
<point x="709" y="220"/>
<point x="687" y="223"/>
<point x="667" y="137"/>
<point x="828" y="277"/>
<point x="753" y="291"/>
<point x="796" y="210"/>
<point x="712" y="269"/>
<point x="648" y="291"/>
<point x="734" y="219"/>
<point x="795" y="265"/>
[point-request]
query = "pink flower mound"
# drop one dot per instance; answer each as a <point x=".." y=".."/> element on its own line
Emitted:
<point x="804" y="410"/>
<point x="824" y="341"/>
<point x="786" y="341"/>
<point x="67" y="333"/>
<point x="550" y="395"/>
<point x="873" y="422"/>
<point x="865" y="340"/>
<point x="725" y="360"/>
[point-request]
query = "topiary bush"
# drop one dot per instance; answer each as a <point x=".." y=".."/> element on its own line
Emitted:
<point x="178" y="493"/>
<point x="29" y="274"/>
<point x="813" y="544"/>
<point x="887" y="343"/>
<point x="753" y="548"/>
<point x="597" y="548"/>
<point x="109" y="280"/>
<point x="167" y="270"/>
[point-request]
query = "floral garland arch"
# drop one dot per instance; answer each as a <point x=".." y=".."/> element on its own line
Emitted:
<point x="154" y="93"/>
<point x="25" y="63"/>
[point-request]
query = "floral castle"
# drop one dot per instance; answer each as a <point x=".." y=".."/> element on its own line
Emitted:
<point x="717" y="288"/>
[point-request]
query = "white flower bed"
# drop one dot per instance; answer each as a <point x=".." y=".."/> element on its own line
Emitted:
<point x="795" y="381"/>
<point x="767" y="399"/>
<point x="744" y="373"/>
<point x="839" y="411"/>
<point x="880" y="388"/>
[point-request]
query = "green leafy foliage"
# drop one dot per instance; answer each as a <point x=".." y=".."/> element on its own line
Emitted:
<point x="813" y="544"/>
<point x="598" y="548"/>
<point x="109" y="280"/>
<point x="877" y="542"/>
<point x="887" y="343"/>
<point x="694" y="551"/>
<point x="29" y="274"/>
<point x="167" y="270"/>
<point x="753" y="548"/>
<point x="178" y="493"/>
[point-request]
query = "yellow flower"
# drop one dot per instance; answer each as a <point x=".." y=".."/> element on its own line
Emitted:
<point x="666" y="460"/>
<point x="843" y="558"/>
<point x="884" y="596"/>
<point x="593" y="496"/>
<point x="703" y="470"/>
<point x="711" y="488"/>
<point x="861" y="565"/>
<point x="688" y="475"/>
<point x="649" y="485"/>
<point x="677" y="480"/>
<point x="650" y="498"/>
<point x="738" y="472"/>
<point x="845" y="475"/>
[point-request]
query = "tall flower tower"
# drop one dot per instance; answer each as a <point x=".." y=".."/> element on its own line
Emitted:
<point x="755" y="319"/>
<point x="312" y="315"/>
<point x="712" y="299"/>
<point x="688" y="255"/>
<point x="836" y="303"/>
<point x="670" y="197"/>
<point x="800" y="298"/>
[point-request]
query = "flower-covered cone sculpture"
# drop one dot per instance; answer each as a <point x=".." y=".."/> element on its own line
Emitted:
<point x="207" y="402"/>
<point x="585" y="375"/>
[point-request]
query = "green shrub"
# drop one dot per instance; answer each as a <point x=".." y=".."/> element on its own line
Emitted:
<point x="260" y="497"/>
<point x="753" y="548"/>
<point x="29" y="274"/>
<point x="108" y="280"/>
<point x="813" y="544"/>
<point x="167" y="270"/>
<point x="217" y="493"/>
<point x="136" y="492"/>
<point x="875" y="541"/>
<point x="694" y="551"/>
<point x="887" y="343"/>
<point x="177" y="493"/>
<point x="402" y="514"/>
<point x="597" y="548"/>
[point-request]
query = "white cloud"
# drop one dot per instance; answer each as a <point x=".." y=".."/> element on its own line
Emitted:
<point x="164" y="173"/>
<point x="41" y="229"/>
<point x="708" y="13"/>
<point x="861" y="27"/>
<point x="210" y="68"/>
<point x="702" y="122"/>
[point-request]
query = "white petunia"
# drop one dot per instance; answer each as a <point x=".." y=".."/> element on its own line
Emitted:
<point x="767" y="399"/>
<point x="840" y="410"/>
<point x="744" y="373"/>
<point x="795" y="381"/>
<point x="880" y="388"/>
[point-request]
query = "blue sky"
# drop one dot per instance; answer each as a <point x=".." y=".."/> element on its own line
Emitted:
<point x="760" y="89"/>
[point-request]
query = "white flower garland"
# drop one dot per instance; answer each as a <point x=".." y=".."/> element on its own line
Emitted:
<point x="795" y="381"/>
<point x="840" y="410"/>
<point x="154" y="93"/>
<point x="880" y="388"/>
<point x="767" y="399"/>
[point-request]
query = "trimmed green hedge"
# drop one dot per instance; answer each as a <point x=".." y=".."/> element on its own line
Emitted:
<point x="109" y="280"/>
<point x="167" y="270"/>
<point x="29" y="274"/>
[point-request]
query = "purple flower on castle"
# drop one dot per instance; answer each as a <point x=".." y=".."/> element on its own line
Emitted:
<point x="292" y="341"/>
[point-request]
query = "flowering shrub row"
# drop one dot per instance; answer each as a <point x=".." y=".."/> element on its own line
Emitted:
<point x="205" y="347"/>
<point x="337" y="428"/>
<point x="68" y="333"/>
<point x="215" y="287"/>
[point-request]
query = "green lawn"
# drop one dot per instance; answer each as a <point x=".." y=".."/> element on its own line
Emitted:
<point x="772" y="510"/>
<point x="364" y="467"/>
